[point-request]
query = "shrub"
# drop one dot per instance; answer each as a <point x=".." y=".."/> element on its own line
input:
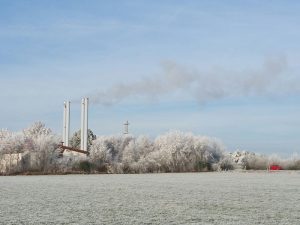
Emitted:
<point x="85" y="166"/>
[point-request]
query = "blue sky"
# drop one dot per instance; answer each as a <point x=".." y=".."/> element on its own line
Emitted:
<point x="196" y="66"/>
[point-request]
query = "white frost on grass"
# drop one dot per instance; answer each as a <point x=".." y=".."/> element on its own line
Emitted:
<point x="186" y="198"/>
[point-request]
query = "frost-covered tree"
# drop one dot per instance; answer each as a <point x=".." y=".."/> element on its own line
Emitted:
<point x="226" y="163"/>
<point x="45" y="147"/>
<point x="36" y="143"/>
<point x="100" y="155"/>
<point x="293" y="163"/>
<point x="171" y="152"/>
<point x="36" y="130"/>
<point x="13" y="143"/>
<point x="41" y="148"/>
<point x="4" y="133"/>
<point x="255" y="162"/>
<point x="76" y="139"/>
<point x="108" y="150"/>
<point x="179" y="151"/>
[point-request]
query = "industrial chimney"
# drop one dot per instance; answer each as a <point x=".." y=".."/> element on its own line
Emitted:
<point x="84" y="128"/>
<point x="66" y="123"/>
<point x="84" y="124"/>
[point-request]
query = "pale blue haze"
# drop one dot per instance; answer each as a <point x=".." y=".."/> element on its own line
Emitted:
<point x="51" y="51"/>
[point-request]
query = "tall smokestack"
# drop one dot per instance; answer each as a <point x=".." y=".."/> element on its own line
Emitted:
<point x="82" y="124"/>
<point x="86" y="104"/>
<point x="64" y="123"/>
<point x="67" y="132"/>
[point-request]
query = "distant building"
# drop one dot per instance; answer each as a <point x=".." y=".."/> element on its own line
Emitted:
<point x="9" y="161"/>
<point x="15" y="162"/>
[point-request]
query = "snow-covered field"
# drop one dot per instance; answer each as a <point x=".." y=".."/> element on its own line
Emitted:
<point x="185" y="198"/>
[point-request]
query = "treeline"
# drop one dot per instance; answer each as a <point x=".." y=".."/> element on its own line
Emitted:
<point x="171" y="152"/>
<point x="35" y="150"/>
<point x="253" y="161"/>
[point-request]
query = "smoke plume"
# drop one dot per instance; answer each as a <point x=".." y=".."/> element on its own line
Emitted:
<point x="203" y="86"/>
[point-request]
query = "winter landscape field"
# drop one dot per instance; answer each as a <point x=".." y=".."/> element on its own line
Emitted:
<point x="149" y="112"/>
<point x="168" y="198"/>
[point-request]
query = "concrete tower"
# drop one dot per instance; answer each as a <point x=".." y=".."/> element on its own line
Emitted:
<point x="84" y="124"/>
<point x="66" y="123"/>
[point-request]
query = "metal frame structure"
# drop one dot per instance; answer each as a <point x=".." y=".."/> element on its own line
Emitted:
<point x="126" y="131"/>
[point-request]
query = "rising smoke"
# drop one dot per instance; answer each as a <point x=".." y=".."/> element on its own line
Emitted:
<point x="202" y="86"/>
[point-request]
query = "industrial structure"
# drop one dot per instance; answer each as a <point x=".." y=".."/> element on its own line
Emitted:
<point x="126" y="131"/>
<point x="84" y="128"/>
<point x="66" y="123"/>
<point x="84" y="124"/>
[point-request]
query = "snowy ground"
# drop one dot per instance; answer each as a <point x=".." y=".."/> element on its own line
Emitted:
<point x="186" y="198"/>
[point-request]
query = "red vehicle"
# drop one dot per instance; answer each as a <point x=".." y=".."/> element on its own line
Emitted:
<point x="275" y="167"/>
